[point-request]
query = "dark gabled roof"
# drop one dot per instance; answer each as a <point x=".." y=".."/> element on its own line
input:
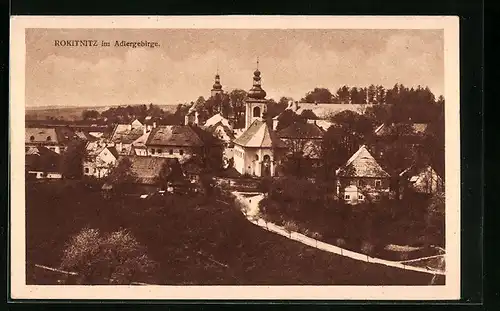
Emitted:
<point x="174" y="135"/>
<point x="362" y="164"/>
<point x="147" y="169"/>
<point x="259" y="135"/>
<point x="301" y="130"/>
<point x="42" y="159"/>
<point x="114" y="152"/>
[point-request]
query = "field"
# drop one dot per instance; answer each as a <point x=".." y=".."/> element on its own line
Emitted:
<point x="70" y="113"/>
<point x="195" y="240"/>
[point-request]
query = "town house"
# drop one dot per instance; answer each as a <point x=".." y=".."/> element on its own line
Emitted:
<point x="361" y="178"/>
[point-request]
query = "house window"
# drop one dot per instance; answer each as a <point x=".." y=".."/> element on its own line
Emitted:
<point x="159" y="151"/>
<point x="49" y="138"/>
<point x="347" y="197"/>
<point x="153" y="151"/>
<point x="86" y="170"/>
<point x="378" y="183"/>
<point x="32" y="138"/>
<point x="360" y="197"/>
<point x="171" y="151"/>
<point x="181" y="152"/>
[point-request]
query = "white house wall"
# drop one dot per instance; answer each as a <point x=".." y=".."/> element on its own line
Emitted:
<point x="164" y="152"/>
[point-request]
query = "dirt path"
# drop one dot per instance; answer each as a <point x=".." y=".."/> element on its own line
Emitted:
<point x="251" y="202"/>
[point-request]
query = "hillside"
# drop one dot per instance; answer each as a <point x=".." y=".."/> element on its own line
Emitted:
<point x="195" y="240"/>
<point x="71" y="113"/>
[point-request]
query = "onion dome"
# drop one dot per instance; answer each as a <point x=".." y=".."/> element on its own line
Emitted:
<point x="217" y="85"/>
<point x="256" y="92"/>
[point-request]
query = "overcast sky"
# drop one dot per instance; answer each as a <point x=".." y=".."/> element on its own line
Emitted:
<point x="292" y="63"/>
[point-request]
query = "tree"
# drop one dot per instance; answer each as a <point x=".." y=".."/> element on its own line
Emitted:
<point x="343" y="95"/>
<point x="114" y="258"/>
<point x="164" y="177"/>
<point x="90" y="115"/>
<point x="274" y="108"/>
<point x="343" y="138"/>
<point x="72" y="160"/>
<point x="371" y="94"/>
<point x="122" y="176"/>
<point x="319" y="95"/>
<point x="287" y="118"/>
<point x="237" y="101"/>
<point x="381" y="95"/>
<point x="284" y="101"/>
<point x="308" y="114"/>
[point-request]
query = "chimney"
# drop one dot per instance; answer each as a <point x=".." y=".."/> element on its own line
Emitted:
<point x="296" y="105"/>
<point x="129" y="127"/>
<point x="144" y="129"/>
<point x="154" y="124"/>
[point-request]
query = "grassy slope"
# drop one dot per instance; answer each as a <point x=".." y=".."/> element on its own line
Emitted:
<point x="176" y="229"/>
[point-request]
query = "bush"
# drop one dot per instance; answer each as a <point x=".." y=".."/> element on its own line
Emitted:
<point x="115" y="258"/>
<point x="367" y="247"/>
<point x="291" y="226"/>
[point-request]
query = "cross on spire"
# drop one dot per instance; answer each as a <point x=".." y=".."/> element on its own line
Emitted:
<point x="257" y="63"/>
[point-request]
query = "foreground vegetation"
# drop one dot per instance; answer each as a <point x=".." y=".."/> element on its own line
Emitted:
<point x="310" y="207"/>
<point x="198" y="240"/>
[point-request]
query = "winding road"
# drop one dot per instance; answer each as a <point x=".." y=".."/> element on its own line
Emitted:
<point x="251" y="202"/>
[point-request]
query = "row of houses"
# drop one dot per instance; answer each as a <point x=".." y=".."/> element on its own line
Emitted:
<point x="257" y="150"/>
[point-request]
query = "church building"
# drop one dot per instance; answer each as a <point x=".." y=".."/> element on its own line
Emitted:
<point x="257" y="151"/>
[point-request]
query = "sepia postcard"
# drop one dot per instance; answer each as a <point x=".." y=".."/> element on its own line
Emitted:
<point x="235" y="157"/>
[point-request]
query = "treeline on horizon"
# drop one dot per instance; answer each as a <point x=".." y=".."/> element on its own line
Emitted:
<point x="416" y="104"/>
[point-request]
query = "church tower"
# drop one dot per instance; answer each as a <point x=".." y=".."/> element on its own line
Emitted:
<point x="255" y="103"/>
<point x="217" y="87"/>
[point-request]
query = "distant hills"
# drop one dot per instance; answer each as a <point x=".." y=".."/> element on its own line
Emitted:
<point x="70" y="113"/>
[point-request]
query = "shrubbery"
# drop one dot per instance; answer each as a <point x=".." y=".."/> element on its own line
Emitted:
<point x="364" y="227"/>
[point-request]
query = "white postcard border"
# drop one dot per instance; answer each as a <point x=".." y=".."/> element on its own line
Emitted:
<point x="19" y="289"/>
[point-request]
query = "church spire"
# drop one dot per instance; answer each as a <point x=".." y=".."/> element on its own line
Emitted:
<point x="217" y="87"/>
<point x="256" y="92"/>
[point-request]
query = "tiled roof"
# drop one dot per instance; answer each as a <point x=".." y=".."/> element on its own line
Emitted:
<point x="43" y="135"/>
<point x="174" y="135"/>
<point x="301" y="130"/>
<point x="122" y="133"/>
<point x="43" y="160"/>
<point x="259" y="135"/>
<point x="147" y="169"/>
<point x="362" y="164"/>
